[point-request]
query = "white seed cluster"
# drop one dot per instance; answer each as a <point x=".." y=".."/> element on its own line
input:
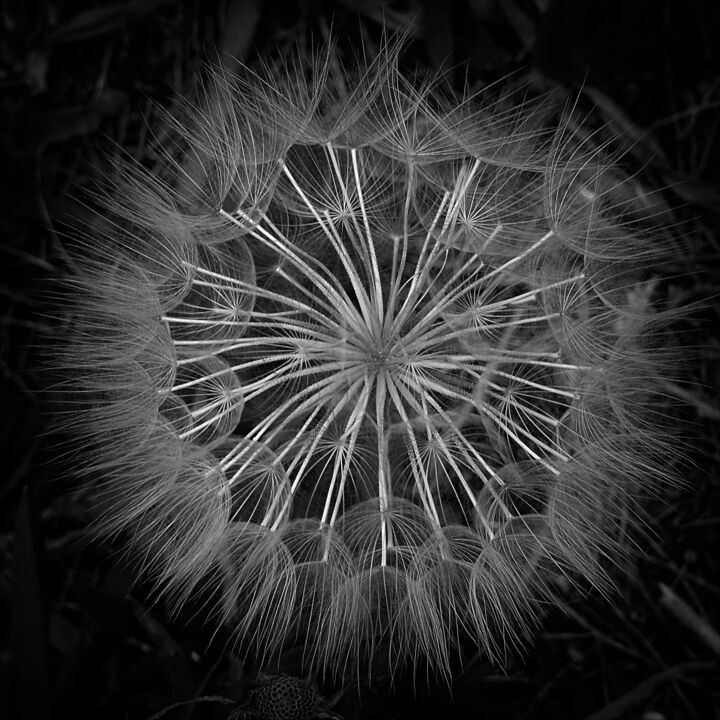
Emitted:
<point x="376" y="362"/>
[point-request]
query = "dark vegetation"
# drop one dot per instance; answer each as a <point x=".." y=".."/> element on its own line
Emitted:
<point x="81" y="80"/>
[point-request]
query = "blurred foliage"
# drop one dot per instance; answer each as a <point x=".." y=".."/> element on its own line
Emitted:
<point x="80" y="80"/>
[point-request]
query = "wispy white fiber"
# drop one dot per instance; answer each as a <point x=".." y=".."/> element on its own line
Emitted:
<point x="376" y="364"/>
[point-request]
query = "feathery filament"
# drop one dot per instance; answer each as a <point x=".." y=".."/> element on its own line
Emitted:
<point x="370" y="362"/>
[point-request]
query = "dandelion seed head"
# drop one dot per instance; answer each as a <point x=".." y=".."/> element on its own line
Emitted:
<point x="375" y="365"/>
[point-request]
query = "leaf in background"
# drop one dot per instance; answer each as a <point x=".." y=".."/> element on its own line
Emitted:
<point x="29" y="642"/>
<point x="104" y="20"/>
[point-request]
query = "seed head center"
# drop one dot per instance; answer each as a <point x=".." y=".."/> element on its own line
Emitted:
<point x="380" y="358"/>
<point x="384" y="351"/>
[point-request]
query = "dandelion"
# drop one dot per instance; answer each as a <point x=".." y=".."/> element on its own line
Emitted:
<point x="374" y="364"/>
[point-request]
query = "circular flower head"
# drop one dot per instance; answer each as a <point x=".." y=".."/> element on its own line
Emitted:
<point x="374" y="365"/>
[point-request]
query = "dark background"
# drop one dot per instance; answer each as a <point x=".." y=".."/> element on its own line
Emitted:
<point x="80" y="79"/>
